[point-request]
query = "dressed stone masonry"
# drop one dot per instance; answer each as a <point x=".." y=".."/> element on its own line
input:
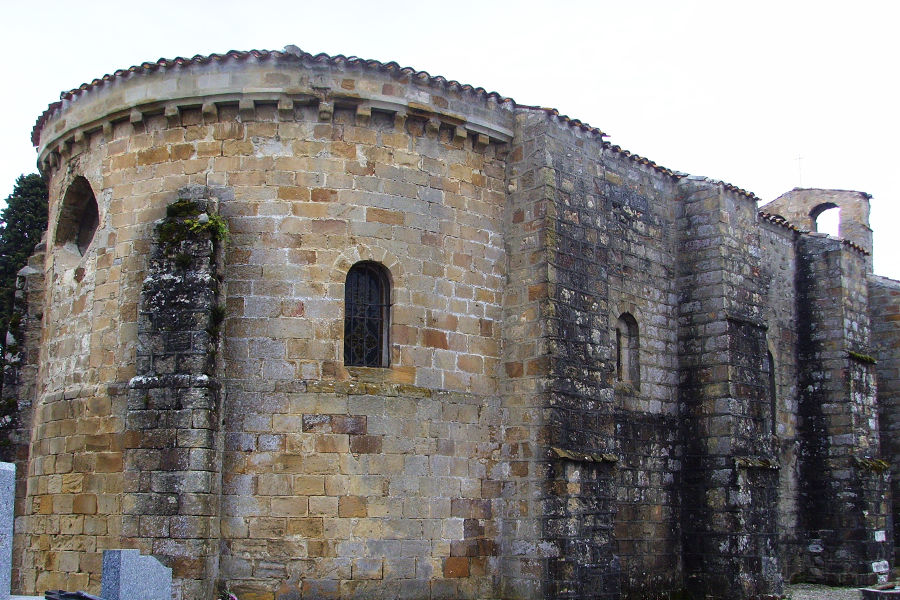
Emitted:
<point x="588" y="376"/>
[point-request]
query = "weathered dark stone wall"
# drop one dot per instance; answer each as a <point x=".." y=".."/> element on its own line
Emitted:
<point x="639" y="204"/>
<point x="173" y="454"/>
<point x="730" y="481"/>
<point x="884" y="315"/>
<point x="845" y="506"/>
<point x="610" y="502"/>
<point x="779" y="271"/>
<point x="580" y="506"/>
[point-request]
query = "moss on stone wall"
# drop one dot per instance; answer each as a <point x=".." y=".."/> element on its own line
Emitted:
<point x="185" y="220"/>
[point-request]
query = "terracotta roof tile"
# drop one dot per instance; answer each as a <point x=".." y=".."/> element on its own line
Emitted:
<point x="777" y="220"/>
<point x="642" y="160"/>
<point x="855" y="246"/>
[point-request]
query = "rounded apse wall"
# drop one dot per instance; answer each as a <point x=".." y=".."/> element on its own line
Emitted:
<point x="317" y="165"/>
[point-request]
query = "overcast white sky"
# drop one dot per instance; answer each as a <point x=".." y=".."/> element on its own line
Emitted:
<point x="733" y="91"/>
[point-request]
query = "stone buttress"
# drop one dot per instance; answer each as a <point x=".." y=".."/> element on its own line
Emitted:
<point x="173" y="452"/>
<point x="730" y="478"/>
<point x="846" y="512"/>
<point x="884" y="315"/>
<point x="843" y="347"/>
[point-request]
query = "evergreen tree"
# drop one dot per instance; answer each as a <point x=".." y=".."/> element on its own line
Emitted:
<point x="22" y="223"/>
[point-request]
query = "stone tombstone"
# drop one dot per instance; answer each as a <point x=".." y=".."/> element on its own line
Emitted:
<point x="7" y="502"/>
<point x="129" y="576"/>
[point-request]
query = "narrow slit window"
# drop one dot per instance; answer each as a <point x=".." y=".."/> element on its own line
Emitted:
<point x="628" y="368"/>
<point x="773" y="393"/>
<point x="366" y="316"/>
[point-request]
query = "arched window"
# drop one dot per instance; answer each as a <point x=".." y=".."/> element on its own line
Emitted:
<point x="78" y="217"/>
<point x="628" y="367"/>
<point x="367" y="316"/>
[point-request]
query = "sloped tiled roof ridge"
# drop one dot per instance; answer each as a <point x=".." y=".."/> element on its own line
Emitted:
<point x="341" y="60"/>
<point x="776" y="219"/>
<point x="238" y="55"/>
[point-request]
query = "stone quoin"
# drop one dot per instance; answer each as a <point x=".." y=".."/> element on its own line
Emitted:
<point x="323" y="327"/>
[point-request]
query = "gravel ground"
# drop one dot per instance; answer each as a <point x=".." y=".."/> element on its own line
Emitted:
<point x="809" y="591"/>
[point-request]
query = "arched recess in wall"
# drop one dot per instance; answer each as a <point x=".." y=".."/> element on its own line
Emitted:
<point x="367" y="311"/>
<point x="628" y="366"/>
<point x="826" y="218"/>
<point x="79" y="218"/>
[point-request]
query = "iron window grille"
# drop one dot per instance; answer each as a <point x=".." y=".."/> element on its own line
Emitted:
<point x="366" y="316"/>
